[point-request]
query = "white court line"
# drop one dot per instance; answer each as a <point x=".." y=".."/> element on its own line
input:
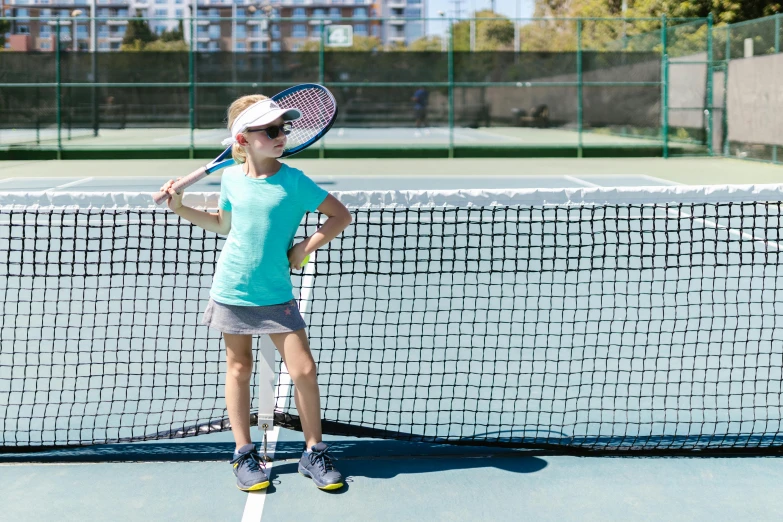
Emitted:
<point x="684" y="215"/>
<point x="71" y="184"/>
<point x="657" y="180"/>
<point x="6" y="180"/>
<point x="580" y="181"/>
<point x="440" y="131"/>
<point x="733" y="232"/>
<point x="708" y="222"/>
<point x="254" y="507"/>
<point x="470" y="135"/>
<point x="501" y="137"/>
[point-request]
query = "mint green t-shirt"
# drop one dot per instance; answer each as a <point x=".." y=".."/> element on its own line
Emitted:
<point x="253" y="268"/>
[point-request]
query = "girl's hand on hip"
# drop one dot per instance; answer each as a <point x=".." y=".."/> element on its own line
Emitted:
<point x="296" y="256"/>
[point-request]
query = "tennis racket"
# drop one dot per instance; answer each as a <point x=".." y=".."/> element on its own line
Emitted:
<point x="319" y="110"/>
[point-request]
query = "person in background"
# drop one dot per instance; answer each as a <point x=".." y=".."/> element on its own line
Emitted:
<point x="420" y="100"/>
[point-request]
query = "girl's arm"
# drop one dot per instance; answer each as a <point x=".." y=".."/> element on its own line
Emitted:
<point x="219" y="223"/>
<point x="338" y="219"/>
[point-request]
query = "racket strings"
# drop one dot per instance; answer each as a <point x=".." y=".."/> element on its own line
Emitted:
<point x="317" y="109"/>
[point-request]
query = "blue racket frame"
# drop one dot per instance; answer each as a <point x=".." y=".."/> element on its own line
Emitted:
<point x="225" y="159"/>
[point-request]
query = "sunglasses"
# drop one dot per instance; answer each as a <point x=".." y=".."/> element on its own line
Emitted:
<point x="275" y="130"/>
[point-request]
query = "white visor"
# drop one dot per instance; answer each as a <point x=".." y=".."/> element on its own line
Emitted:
<point x="260" y="113"/>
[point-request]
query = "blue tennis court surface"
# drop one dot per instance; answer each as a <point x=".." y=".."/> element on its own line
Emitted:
<point x="389" y="480"/>
<point x="336" y="182"/>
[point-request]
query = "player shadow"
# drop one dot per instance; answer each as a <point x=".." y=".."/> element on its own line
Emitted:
<point x="385" y="455"/>
<point x="385" y="468"/>
<point x="389" y="459"/>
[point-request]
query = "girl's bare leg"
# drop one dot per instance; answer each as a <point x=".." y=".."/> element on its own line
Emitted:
<point x="295" y="351"/>
<point x="239" y="370"/>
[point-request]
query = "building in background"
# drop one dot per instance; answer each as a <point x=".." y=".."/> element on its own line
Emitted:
<point x="220" y="25"/>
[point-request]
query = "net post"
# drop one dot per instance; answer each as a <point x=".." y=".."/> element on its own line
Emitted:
<point x="709" y="101"/>
<point x="664" y="87"/>
<point x="58" y="91"/>
<point x="265" y="367"/>
<point x="192" y="84"/>
<point x="579" y="85"/>
<point x="451" y="87"/>
<point x="265" y="455"/>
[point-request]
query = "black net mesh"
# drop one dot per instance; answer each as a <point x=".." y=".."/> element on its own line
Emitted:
<point x="579" y="327"/>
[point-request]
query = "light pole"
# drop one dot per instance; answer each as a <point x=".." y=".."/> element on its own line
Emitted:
<point x="443" y="40"/>
<point x="517" y="44"/>
<point x="75" y="39"/>
<point x="266" y="8"/>
<point x="625" y="13"/>
<point x="233" y="27"/>
<point x="473" y="28"/>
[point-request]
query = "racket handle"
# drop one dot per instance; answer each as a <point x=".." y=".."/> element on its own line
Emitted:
<point x="183" y="183"/>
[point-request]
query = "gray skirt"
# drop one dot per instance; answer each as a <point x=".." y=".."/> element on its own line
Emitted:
<point x="234" y="319"/>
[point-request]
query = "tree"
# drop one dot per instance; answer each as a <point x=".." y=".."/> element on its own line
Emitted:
<point x="175" y="35"/>
<point x="160" y="45"/>
<point x="139" y="37"/>
<point x="491" y="35"/>
<point x="724" y="11"/>
<point x="5" y="26"/>
<point x="137" y="31"/>
<point x="431" y="43"/>
<point x="641" y="35"/>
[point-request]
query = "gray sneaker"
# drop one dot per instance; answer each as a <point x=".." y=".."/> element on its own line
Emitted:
<point x="318" y="466"/>
<point x="249" y="469"/>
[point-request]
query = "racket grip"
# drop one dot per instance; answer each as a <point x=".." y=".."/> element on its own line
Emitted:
<point x="183" y="183"/>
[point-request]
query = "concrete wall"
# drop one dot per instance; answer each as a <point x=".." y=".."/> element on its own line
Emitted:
<point x="754" y="99"/>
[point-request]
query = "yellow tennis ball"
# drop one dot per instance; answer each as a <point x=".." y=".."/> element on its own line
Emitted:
<point x="306" y="260"/>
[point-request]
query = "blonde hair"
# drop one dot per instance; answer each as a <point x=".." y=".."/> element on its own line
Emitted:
<point x="234" y="110"/>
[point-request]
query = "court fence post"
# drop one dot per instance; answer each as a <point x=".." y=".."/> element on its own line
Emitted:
<point x="451" y="86"/>
<point x="58" y="92"/>
<point x="777" y="50"/>
<point x="192" y="88"/>
<point x="709" y="102"/>
<point x="727" y="58"/>
<point x="664" y="87"/>
<point x="321" y="76"/>
<point x="579" y="86"/>
<point x="94" y="66"/>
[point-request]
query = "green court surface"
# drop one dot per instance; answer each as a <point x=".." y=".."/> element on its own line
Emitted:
<point x="190" y="479"/>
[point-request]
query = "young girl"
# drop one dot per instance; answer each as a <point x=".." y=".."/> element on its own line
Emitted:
<point x="262" y="203"/>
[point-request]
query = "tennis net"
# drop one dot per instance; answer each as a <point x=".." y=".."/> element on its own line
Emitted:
<point x="579" y="320"/>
